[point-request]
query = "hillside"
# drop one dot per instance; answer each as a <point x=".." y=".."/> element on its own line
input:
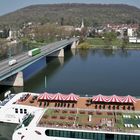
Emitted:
<point x="72" y="14"/>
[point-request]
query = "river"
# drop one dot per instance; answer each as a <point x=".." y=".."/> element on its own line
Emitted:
<point x="84" y="72"/>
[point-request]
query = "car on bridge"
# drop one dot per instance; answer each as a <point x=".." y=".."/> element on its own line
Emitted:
<point x="12" y="62"/>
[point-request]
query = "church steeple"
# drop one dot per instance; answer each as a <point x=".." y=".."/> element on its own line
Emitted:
<point x="82" y="25"/>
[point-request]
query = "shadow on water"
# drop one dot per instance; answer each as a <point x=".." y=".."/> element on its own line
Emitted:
<point x="6" y="131"/>
<point x="34" y="68"/>
<point x="13" y="90"/>
<point x="36" y="83"/>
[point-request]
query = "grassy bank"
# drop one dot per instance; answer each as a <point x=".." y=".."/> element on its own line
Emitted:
<point x="100" y="43"/>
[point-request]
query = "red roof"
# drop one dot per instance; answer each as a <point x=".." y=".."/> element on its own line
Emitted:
<point x="99" y="98"/>
<point x="59" y="97"/>
<point x="71" y="97"/>
<point x="114" y="99"/>
<point x="45" y="96"/>
<point x="129" y="99"/>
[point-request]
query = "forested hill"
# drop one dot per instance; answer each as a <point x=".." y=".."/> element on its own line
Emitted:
<point x="72" y="14"/>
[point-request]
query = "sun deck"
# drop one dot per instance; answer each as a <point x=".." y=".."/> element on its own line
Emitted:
<point x="91" y="120"/>
<point x="82" y="102"/>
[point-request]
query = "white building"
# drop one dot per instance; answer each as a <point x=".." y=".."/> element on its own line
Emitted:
<point x="129" y="32"/>
<point x="134" y="40"/>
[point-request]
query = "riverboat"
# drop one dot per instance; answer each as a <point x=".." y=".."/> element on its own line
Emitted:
<point x="72" y="117"/>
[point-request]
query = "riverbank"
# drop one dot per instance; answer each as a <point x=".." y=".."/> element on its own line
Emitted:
<point x="100" y="43"/>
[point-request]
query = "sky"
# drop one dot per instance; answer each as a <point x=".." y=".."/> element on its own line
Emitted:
<point x="7" y="6"/>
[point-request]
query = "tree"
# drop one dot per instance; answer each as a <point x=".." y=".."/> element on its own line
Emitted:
<point x="62" y="21"/>
<point x="109" y="37"/>
<point x="138" y="31"/>
<point x="125" y="42"/>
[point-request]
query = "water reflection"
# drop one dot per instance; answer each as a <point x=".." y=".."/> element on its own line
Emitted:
<point x="111" y="52"/>
<point x="83" y="53"/>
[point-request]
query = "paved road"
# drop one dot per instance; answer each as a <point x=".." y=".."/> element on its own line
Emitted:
<point x="23" y="59"/>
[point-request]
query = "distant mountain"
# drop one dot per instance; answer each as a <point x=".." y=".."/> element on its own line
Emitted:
<point x="72" y="14"/>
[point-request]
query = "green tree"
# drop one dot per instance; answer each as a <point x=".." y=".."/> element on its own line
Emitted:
<point x="62" y="21"/>
<point x="109" y="37"/>
<point x="125" y="42"/>
<point x="138" y="31"/>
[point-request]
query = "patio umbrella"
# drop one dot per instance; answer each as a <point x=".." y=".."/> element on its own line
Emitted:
<point x="59" y="97"/>
<point x="114" y="99"/>
<point x="129" y="99"/>
<point x="99" y="98"/>
<point x="45" y="96"/>
<point x="71" y="97"/>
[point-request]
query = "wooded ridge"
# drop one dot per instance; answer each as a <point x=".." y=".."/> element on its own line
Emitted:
<point x="72" y="14"/>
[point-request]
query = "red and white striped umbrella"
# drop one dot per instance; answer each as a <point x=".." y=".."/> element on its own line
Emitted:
<point x="71" y="97"/>
<point x="45" y="96"/>
<point x="129" y="99"/>
<point x="59" y="97"/>
<point x="114" y="99"/>
<point x="99" y="98"/>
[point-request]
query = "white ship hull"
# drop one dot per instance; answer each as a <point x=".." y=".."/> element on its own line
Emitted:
<point x="11" y="112"/>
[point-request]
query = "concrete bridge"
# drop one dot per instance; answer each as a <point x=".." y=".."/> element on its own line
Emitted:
<point x="13" y="75"/>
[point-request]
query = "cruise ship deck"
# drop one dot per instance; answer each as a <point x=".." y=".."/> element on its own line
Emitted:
<point x="86" y="114"/>
<point x="72" y="116"/>
<point x="88" y="119"/>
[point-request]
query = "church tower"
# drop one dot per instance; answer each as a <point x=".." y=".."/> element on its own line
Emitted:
<point x="82" y="25"/>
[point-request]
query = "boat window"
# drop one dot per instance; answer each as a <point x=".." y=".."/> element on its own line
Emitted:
<point x="71" y="134"/>
<point x="16" y="110"/>
<point x="25" y="111"/>
<point x="21" y="111"/>
<point x="28" y="119"/>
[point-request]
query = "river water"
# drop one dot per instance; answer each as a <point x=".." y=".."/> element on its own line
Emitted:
<point x="84" y="72"/>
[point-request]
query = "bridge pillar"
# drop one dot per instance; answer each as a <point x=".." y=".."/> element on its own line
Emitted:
<point x="77" y="42"/>
<point x="14" y="80"/>
<point x="74" y="44"/>
<point x="59" y="53"/>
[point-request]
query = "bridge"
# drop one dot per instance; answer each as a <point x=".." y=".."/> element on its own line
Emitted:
<point x="13" y="75"/>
